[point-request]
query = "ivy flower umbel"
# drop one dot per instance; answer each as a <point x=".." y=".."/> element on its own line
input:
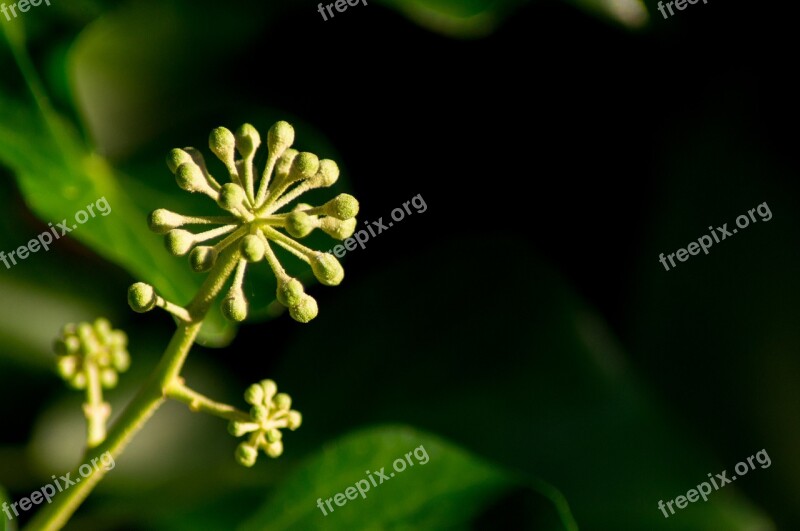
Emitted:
<point x="252" y="219"/>
<point x="90" y="358"/>
<point x="85" y="348"/>
<point x="270" y="412"/>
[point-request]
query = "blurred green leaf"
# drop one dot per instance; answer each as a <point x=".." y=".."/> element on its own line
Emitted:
<point x="713" y="171"/>
<point x="556" y="395"/>
<point x="479" y="18"/>
<point x="446" y="491"/>
<point x="59" y="176"/>
<point x="5" y="523"/>
<point x="629" y="13"/>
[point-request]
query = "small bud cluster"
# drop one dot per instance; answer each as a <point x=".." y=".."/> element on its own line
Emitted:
<point x="84" y="347"/>
<point x="251" y="221"/>
<point x="270" y="412"/>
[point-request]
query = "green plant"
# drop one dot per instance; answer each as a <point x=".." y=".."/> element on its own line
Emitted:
<point x="91" y="355"/>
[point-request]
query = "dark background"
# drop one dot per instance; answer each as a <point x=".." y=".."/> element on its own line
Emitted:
<point x="560" y="150"/>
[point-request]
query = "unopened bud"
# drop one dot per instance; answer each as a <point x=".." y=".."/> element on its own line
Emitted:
<point x="162" y="221"/>
<point x="343" y="206"/>
<point x="179" y="241"/>
<point x="304" y="165"/>
<point x="279" y="138"/>
<point x="247" y="140"/>
<point x="231" y="197"/>
<point x="327" y="269"/>
<point x="234" y="307"/>
<point x="294" y="419"/>
<point x="246" y="455"/>
<point x="252" y="248"/>
<point x="305" y="310"/>
<point x="337" y="228"/>
<point x="202" y="258"/>
<point x="299" y="224"/>
<point x="222" y="143"/>
<point x="142" y="297"/>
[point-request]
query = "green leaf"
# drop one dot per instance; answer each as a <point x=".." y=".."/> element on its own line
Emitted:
<point x="60" y="177"/>
<point x="428" y="484"/>
<point x="554" y="395"/>
<point x="632" y="14"/>
<point x="479" y="18"/>
<point x="5" y="523"/>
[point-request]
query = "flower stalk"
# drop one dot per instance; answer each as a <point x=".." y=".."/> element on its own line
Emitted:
<point x="91" y="356"/>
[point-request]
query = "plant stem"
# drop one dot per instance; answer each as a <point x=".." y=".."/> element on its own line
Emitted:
<point x="201" y="403"/>
<point x="95" y="410"/>
<point x="146" y="402"/>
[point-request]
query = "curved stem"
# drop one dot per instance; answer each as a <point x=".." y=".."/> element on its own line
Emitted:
<point x="201" y="403"/>
<point x="150" y="397"/>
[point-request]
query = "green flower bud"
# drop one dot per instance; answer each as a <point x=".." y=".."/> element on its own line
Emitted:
<point x="231" y="197"/>
<point x="222" y="143"/>
<point x="252" y="248"/>
<point x="190" y="178"/>
<point x="304" y="165"/>
<point x="275" y="449"/>
<point x="270" y="388"/>
<point x="282" y="401"/>
<point x="202" y="258"/>
<point x="294" y="419"/>
<point x="254" y="394"/>
<point x="337" y="228"/>
<point x="343" y="206"/>
<point x="102" y="329"/>
<point x="109" y="378"/>
<point x="234" y="307"/>
<point x="247" y="140"/>
<point x="67" y="367"/>
<point x="299" y="224"/>
<point x="179" y="241"/>
<point x="259" y="412"/>
<point x="66" y="346"/>
<point x="284" y="164"/>
<point x="120" y="360"/>
<point x="289" y="293"/>
<point x="142" y="297"/>
<point x="86" y="335"/>
<point x="176" y="157"/>
<point x="327" y="269"/>
<point x="279" y="138"/>
<point x="197" y="158"/>
<point x="118" y="339"/>
<point x="78" y="381"/>
<point x="246" y="455"/>
<point x="305" y="310"/>
<point x="327" y="175"/>
<point x="273" y="435"/>
<point x="162" y="221"/>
